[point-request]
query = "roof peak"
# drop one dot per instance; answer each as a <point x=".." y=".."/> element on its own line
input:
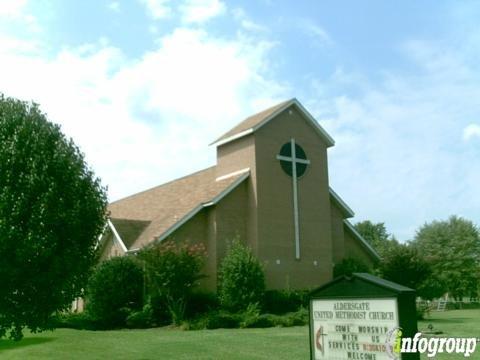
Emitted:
<point x="256" y="121"/>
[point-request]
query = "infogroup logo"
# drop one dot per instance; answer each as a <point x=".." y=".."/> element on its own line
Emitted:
<point x="396" y="344"/>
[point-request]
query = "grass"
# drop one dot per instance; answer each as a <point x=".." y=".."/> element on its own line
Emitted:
<point x="162" y="343"/>
<point x="454" y="323"/>
<point x="165" y="343"/>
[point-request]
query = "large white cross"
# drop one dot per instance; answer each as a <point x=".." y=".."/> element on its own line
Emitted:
<point x="294" y="160"/>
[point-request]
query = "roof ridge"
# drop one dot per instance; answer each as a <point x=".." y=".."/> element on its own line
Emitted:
<point x="258" y="120"/>
<point x="164" y="184"/>
<point x="270" y="110"/>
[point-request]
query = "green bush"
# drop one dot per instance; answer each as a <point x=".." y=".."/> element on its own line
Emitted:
<point x="160" y="313"/>
<point x="173" y="272"/>
<point x="284" y="301"/>
<point x="262" y="321"/>
<point x="141" y="319"/>
<point x="114" y="290"/>
<point x="249" y="315"/>
<point x="297" y="318"/>
<point x="201" y="302"/>
<point x="250" y="318"/>
<point x="78" y="321"/>
<point x="241" y="281"/>
<point x="222" y="320"/>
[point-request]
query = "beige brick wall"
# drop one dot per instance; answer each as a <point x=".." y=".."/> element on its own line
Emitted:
<point x="237" y="155"/>
<point x="230" y="223"/>
<point x="275" y="207"/>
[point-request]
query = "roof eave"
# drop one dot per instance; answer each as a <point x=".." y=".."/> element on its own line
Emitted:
<point x="364" y="242"/>
<point x="116" y="236"/>
<point x="321" y="131"/>
<point x="233" y="137"/>
<point x="201" y="206"/>
<point x="346" y="210"/>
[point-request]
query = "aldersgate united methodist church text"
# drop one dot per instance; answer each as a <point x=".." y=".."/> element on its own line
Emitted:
<point x="354" y="310"/>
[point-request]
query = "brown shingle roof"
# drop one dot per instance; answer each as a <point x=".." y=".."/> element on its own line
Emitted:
<point x="252" y="121"/>
<point x="164" y="206"/>
<point x="255" y="122"/>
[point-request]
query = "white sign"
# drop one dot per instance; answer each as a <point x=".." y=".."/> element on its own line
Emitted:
<point x="352" y="329"/>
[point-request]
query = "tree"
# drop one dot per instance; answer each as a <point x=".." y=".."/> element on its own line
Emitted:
<point x="114" y="290"/>
<point x="376" y="235"/>
<point x="348" y="266"/>
<point x="242" y="281"/>
<point x="452" y="248"/>
<point x="173" y="271"/>
<point x="52" y="210"/>
<point x="404" y="265"/>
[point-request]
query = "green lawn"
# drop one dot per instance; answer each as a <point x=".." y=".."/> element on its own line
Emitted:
<point x="163" y="343"/>
<point x="454" y="323"/>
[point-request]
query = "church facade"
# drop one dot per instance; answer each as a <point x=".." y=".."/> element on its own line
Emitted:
<point x="269" y="189"/>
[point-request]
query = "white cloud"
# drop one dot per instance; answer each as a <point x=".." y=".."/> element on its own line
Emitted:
<point x="399" y="139"/>
<point x="13" y="12"/>
<point x="189" y="11"/>
<point x="12" y="8"/>
<point x="114" y="6"/>
<point x="158" y="9"/>
<point x="245" y="22"/>
<point x="315" y="31"/>
<point x="200" y="11"/>
<point x="471" y="131"/>
<point x="144" y="121"/>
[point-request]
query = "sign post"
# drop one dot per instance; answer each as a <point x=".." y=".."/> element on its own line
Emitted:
<point x="361" y="317"/>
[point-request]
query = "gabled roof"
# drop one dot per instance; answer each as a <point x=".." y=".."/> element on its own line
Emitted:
<point x="351" y="229"/>
<point x="342" y="205"/>
<point x="129" y="230"/>
<point x="154" y="214"/>
<point x="255" y="122"/>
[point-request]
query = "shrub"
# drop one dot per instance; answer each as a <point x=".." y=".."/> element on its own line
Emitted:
<point x="78" y="321"/>
<point x="251" y="318"/>
<point x="200" y="303"/>
<point x="242" y="281"/>
<point x="114" y="290"/>
<point x="262" y="321"/>
<point x="173" y="271"/>
<point x="141" y="319"/>
<point x="160" y="312"/>
<point x="284" y="301"/>
<point x="297" y="318"/>
<point x="222" y="320"/>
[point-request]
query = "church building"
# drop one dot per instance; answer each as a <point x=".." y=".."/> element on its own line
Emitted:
<point x="269" y="189"/>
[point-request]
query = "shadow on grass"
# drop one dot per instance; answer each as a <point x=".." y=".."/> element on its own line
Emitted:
<point x="10" y="344"/>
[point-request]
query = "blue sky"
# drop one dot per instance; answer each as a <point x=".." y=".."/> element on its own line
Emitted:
<point x="144" y="86"/>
